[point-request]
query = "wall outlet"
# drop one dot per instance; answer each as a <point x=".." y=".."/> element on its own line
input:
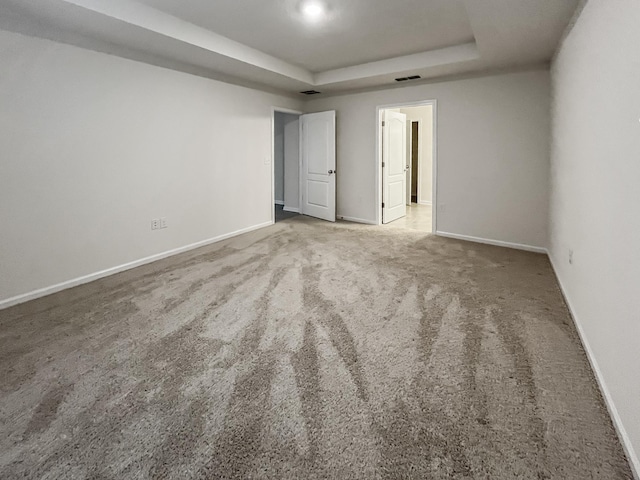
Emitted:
<point x="570" y="257"/>
<point x="163" y="222"/>
<point x="155" y="224"/>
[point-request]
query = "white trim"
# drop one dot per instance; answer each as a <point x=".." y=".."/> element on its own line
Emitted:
<point x="291" y="209"/>
<point x="488" y="241"/>
<point x="378" y="158"/>
<point x="356" y="220"/>
<point x="634" y="462"/>
<point x="42" y="292"/>
<point x="278" y="202"/>
<point x="286" y="110"/>
<point x="424" y="202"/>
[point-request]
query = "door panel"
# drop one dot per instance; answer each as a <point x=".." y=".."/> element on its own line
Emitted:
<point x="396" y="191"/>
<point x="318" y="177"/>
<point x="394" y="157"/>
<point x="318" y="193"/>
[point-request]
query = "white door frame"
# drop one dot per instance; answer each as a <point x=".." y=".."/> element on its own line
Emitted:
<point x="434" y="146"/>
<point x="273" y="154"/>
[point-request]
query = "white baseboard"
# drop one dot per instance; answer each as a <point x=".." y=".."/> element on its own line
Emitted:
<point x="613" y="411"/>
<point x="279" y="202"/>
<point x="424" y="203"/>
<point x="356" y="220"/>
<point x="499" y="243"/>
<point x="42" y="292"/>
<point x="291" y="209"/>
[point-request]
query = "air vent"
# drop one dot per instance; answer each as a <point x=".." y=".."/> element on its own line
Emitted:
<point x="404" y="79"/>
<point x="310" y="92"/>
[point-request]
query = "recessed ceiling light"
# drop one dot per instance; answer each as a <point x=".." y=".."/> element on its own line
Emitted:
<point x="313" y="10"/>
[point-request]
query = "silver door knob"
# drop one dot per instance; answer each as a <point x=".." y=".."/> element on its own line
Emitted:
<point x="331" y="172"/>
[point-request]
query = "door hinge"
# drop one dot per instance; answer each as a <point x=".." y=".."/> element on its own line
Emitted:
<point x="382" y="204"/>
<point x="383" y="123"/>
<point x="382" y="164"/>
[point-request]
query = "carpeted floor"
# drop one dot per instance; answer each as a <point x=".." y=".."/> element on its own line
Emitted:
<point x="306" y="350"/>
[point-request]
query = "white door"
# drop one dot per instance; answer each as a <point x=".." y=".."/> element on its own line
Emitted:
<point x="318" y="172"/>
<point x="394" y="158"/>
<point x="409" y="165"/>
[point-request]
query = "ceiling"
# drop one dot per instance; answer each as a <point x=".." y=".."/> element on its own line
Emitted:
<point x="360" y="44"/>
<point x="354" y="32"/>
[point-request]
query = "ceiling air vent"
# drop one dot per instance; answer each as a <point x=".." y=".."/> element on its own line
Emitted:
<point x="310" y="92"/>
<point x="404" y="79"/>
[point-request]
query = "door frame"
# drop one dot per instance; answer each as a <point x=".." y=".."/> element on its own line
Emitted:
<point x="434" y="167"/>
<point x="275" y="110"/>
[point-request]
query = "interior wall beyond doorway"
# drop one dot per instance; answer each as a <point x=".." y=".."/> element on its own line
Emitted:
<point x="424" y="115"/>
<point x="286" y="160"/>
<point x="292" y="162"/>
<point x="415" y="159"/>
<point x="278" y="158"/>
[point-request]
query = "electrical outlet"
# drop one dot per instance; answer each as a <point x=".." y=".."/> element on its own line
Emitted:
<point x="570" y="257"/>
<point x="163" y="222"/>
<point x="155" y="224"/>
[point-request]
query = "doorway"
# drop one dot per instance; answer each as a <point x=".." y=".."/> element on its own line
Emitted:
<point x="286" y="159"/>
<point x="304" y="164"/>
<point x="407" y="159"/>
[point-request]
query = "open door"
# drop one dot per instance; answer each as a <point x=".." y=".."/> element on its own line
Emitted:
<point x="318" y="172"/>
<point x="394" y="158"/>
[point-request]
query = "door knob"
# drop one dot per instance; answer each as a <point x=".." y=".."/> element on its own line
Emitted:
<point x="331" y="171"/>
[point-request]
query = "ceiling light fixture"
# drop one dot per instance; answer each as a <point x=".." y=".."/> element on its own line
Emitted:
<point x="313" y="10"/>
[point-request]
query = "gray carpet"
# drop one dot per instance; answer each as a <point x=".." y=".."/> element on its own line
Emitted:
<point x="306" y="350"/>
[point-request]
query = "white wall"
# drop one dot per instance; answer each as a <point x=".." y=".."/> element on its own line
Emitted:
<point x="95" y="146"/>
<point x="424" y="115"/>
<point x="292" y="161"/>
<point x="595" y="196"/>
<point x="493" y="154"/>
<point x="278" y="157"/>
